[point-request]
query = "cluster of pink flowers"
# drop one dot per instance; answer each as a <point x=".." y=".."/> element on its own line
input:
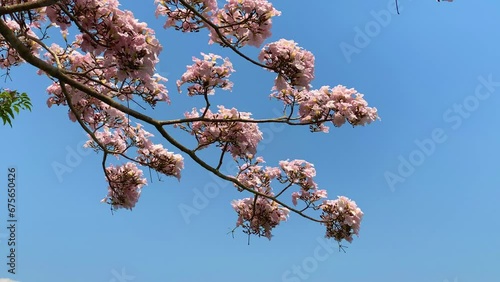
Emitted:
<point x="237" y="137"/>
<point x="120" y="53"/>
<point x="138" y="136"/>
<point x="295" y="69"/>
<point x="118" y="60"/>
<point x="343" y="218"/>
<point x="309" y="196"/>
<point x="126" y="43"/>
<point x="255" y="177"/>
<point x="182" y="18"/>
<point x="91" y="110"/>
<point x="299" y="172"/>
<point x="240" y="22"/>
<point x="114" y="141"/>
<point x="149" y="154"/>
<point x="294" y="65"/>
<point x="206" y="75"/>
<point x="125" y="184"/>
<point x="259" y="215"/>
<point x="244" y="22"/>
<point x="161" y="160"/>
<point x="338" y="104"/>
<point x="153" y="155"/>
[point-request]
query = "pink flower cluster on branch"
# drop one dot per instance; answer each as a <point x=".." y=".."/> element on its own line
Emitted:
<point x="88" y="109"/>
<point x="338" y="215"/>
<point x="126" y="43"/>
<point x="94" y="72"/>
<point x="182" y="18"/>
<point x="294" y="65"/>
<point x="113" y="140"/>
<point x="206" y="75"/>
<point x="118" y="62"/>
<point x="238" y="138"/>
<point x="256" y="178"/>
<point x="117" y="141"/>
<point x="244" y="22"/>
<point x="342" y="217"/>
<point x="301" y="173"/>
<point x="239" y="22"/>
<point x="120" y="53"/>
<point x="295" y="69"/>
<point x="125" y="184"/>
<point x="161" y="160"/>
<point x="259" y="215"/>
<point x="338" y="105"/>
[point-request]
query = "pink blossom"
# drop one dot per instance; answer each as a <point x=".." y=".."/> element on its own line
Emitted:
<point x="338" y="105"/>
<point x="182" y="18"/>
<point x="159" y="159"/>
<point x="114" y="140"/>
<point x="342" y="218"/>
<point x="125" y="184"/>
<point x="294" y="65"/>
<point x="237" y="137"/>
<point x="259" y="216"/>
<point x="244" y="22"/>
<point x="308" y="196"/>
<point x="206" y="75"/>
<point x="120" y="52"/>
<point x="299" y="172"/>
<point x="257" y="178"/>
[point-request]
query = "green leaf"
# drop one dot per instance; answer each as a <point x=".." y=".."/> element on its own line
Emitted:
<point x="9" y="111"/>
<point x="6" y="120"/>
<point x="12" y="101"/>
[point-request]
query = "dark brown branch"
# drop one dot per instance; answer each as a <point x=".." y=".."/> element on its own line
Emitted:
<point x="26" y="6"/>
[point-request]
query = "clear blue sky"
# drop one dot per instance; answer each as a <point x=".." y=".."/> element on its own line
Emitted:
<point x="437" y="222"/>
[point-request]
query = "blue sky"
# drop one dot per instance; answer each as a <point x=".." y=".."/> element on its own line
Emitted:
<point x="426" y="175"/>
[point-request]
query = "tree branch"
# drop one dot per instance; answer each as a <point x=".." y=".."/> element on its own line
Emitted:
<point x="58" y="73"/>
<point x="26" y="6"/>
